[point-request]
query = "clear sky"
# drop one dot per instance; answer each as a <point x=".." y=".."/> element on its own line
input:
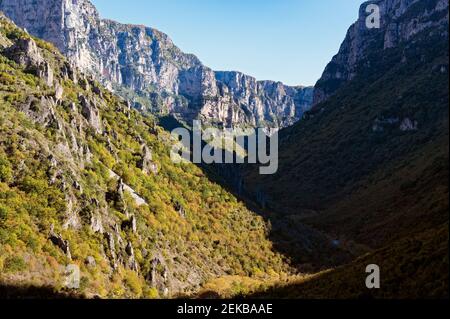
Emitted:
<point x="283" y="40"/>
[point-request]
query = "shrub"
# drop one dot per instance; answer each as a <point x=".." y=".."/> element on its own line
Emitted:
<point x="133" y="282"/>
<point x="14" y="264"/>
<point x="3" y="214"/>
<point x="7" y="79"/>
<point x="151" y="293"/>
<point x="6" y="172"/>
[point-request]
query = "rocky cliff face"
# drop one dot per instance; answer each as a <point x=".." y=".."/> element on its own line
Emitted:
<point x="400" y="21"/>
<point x="143" y="65"/>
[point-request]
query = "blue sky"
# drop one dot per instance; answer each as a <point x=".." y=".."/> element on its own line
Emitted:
<point x="283" y="40"/>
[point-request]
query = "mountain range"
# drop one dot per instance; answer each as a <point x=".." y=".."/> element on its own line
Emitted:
<point x="144" y="66"/>
<point x="86" y="177"/>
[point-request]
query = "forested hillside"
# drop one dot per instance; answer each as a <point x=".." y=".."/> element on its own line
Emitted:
<point x="86" y="180"/>
<point x="369" y="164"/>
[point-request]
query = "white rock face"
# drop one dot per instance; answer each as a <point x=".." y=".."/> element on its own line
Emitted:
<point x="144" y="61"/>
<point x="400" y="20"/>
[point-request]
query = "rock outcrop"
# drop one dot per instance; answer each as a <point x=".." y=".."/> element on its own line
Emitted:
<point x="130" y="224"/>
<point x="163" y="78"/>
<point x="26" y="53"/>
<point x="146" y="163"/>
<point x="159" y="275"/>
<point x="400" y="20"/>
<point x="90" y="113"/>
<point x="60" y="242"/>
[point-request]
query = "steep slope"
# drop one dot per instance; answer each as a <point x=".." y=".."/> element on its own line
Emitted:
<point x="85" y="180"/>
<point x="400" y="21"/>
<point x="370" y="163"/>
<point x="412" y="268"/>
<point x="143" y="65"/>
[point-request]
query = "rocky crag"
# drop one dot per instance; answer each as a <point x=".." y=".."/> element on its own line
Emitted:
<point x="400" y="21"/>
<point x="144" y="66"/>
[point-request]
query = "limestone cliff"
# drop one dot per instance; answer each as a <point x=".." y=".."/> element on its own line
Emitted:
<point x="144" y="66"/>
<point x="400" y="20"/>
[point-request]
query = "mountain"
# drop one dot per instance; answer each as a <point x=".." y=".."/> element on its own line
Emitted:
<point x="368" y="165"/>
<point x="418" y="257"/>
<point x="87" y="181"/>
<point x="400" y="22"/>
<point x="144" y="66"/>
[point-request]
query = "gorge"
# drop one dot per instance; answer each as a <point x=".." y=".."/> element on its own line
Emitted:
<point x="86" y="176"/>
<point x="144" y="66"/>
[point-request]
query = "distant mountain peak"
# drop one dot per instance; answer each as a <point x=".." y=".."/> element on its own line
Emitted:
<point x="400" y="20"/>
<point x="143" y="65"/>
